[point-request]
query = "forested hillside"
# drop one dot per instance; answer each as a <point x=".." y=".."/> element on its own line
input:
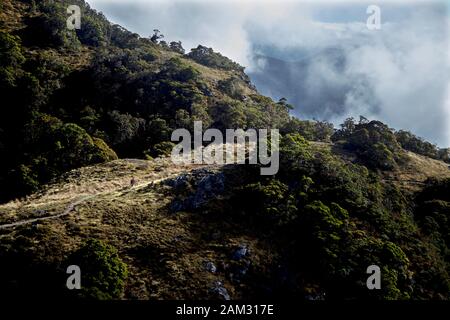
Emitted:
<point x="74" y="102"/>
<point x="72" y="97"/>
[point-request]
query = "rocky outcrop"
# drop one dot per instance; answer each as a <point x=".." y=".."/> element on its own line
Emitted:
<point x="194" y="190"/>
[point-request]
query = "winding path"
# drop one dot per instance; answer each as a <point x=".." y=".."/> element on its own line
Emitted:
<point x="73" y="204"/>
<point x="66" y="212"/>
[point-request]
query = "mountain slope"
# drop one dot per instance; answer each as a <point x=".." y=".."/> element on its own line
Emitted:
<point x="143" y="228"/>
<point x="107" y="87"/>
<point x="133" y="219"/>
<point x="173" y="229"/>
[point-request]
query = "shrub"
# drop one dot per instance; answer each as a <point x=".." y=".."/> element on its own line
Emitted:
<point x="123" y="38"/>
<point x="93" y="32"/>
<point x="178" y="70"/>
<point x="24" y="180"/>
<point x="311" y="130"/>
<point x="102" y="271"/>
<point x="55" y="147"/>
<point x="208" y="57"/>
<point x="410" y="142"/>
<point x="103" y="152"/>
<point x="162" y="149"/>
<point x="176" y="46"/>
<point x="374" y="142"/>
<point x="267" y="203"/>
<point x="229" y="115"/>
<point x="232" y="87"/>
<point x="49" y="27"/>
<point x="11" y="58"/>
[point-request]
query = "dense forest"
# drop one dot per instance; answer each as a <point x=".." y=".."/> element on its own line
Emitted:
<point x="77" y="98"/>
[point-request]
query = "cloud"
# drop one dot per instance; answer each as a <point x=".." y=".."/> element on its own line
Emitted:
<point x="398" y="74"/>
<point x="320" y="55"/>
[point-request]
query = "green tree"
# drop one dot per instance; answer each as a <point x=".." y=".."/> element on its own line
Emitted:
<point x="208" y="57"/>
<point x="103" y="272"/>
<point x="11" y="59"/>
<point x="177" y="47"/>
<point x="93" y="31"/>
<point x="269" y="203"/>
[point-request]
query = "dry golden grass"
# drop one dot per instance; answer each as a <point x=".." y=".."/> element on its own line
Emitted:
<point x="165" y="252"/>
<point x="106" y="179"/>
<point x="413" y="173"/>
<point x="11" y="14"/>
<point x="409" y="176"/>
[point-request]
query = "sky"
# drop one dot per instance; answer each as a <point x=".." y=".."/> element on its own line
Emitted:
<point x="320" y="55"/>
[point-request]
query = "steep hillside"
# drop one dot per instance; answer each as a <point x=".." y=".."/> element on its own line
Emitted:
<point x="105" y="87"/>
<point x="165" y="253"/>
<point x="87" y="180"/>
<point x="410" y="176"/>
<point x="184" y="232"/>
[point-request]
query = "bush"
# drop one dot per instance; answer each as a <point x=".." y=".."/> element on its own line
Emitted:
<point x="49" y="27"/>
<point x="72" y="147"/>
<point x="123" y="38"/>
<point x="310" y="130"/>
<point x="178" y="70"/>
<point x="410" y="142"/>
<point x="379" y="156"/>
<point x="177" y="47"/>
<point x="208" y="57"/>
<point x="229" y="115"/>
<point x="374" y="142"/>
<point x="433" y="214"/>
<point x="232" y="87"/>
<point x="102" y="271"/>
<point x="103" y="152"/>
<point x="162" y="149"/>
<point x="93" y="31"/>
<point x="24" y="180"/>
<point x="11" y="58"/>
<point x="55" y="147"/>
<point x="269" y="204"/>
<point x="295" y="157"/>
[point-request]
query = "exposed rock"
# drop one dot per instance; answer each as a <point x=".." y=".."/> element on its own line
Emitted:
<point x="216" y="235"/>
<point x="207" y="92"/>
<point x="316" y="297"/>
<point x="211" y="267"/>
<point x="196" y="189"/>
<point x="239" y="271"/>
<point x="40" y="212"/>
<point x="219" y="290"/>
<point x="177" y="206"/>
<point x="178" y="182"/>
<point x="240" y="253"/>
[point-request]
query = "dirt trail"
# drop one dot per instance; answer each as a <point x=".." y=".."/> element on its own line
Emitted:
<point x="68" y="210"/>
<point x="118" y="190"/>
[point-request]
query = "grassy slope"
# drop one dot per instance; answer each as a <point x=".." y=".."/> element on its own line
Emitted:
<point x="410" y="176"/>
<point x="137" y="221"/>
<point x="166" y="253"/>
<point x="11" y="14"/>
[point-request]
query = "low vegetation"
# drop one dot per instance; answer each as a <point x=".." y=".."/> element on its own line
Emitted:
<point x="142" y="228"/>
